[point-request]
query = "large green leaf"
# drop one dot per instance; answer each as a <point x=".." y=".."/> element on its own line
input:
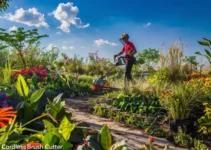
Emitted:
<point x="37" y="95"/>
<point x="207" y="40"/>
<point x="208" y="52"/>
<point x="34" y="79"/>
<point x="51" y="139"/>
<point x="21" y="86"/>
<point x="205" y="43"/>
<point x="65" y="128"/>
<point x="198" y="53"/>
<point x="105" y="138"/>
<point x="48" y="125"/>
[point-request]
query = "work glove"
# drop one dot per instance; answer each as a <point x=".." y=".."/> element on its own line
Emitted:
<point x="115" y="56"/>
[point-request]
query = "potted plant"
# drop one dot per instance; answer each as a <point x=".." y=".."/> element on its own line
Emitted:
<point x="180" y="103"/>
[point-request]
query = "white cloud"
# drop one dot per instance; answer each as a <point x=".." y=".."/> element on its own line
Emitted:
<point x="13" y="28"/>
<point x="147" y="24"/>
<point x="51" y="46"/>
<point x="66" y="47"/>
<point x="66" y="14"/>
<point x="30" y="17"/>
<point x="83" y="47"/>
<point x="58" y="33"/>
<point x="101" y="42"/>
<point x="71" y="47"/>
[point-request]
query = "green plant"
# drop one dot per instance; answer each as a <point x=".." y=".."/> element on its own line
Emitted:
<point x="181" y="139"/>
<point x="142" y="104"/>
<point x="182" y="100"/>
<point x="101" y="111"/>
<point x="56" y="108"/>
<point x="35" y="56"/>
<point x="199" y="145"/>
<point x="4" y="4"/>
<point x="120" y="117"/>
<point x="149" y="57"/>
<point x="131" y="120"/>
<point x="192" y="61"/>
<point x="7" y="72"/>
<point x="111" y="95"/>
<point x="30" y="103"/>
<point x="207" y="43"/>
<point x="20" y="40"/>
<point x="162" y="75"/>
<point x="205" y="120"/>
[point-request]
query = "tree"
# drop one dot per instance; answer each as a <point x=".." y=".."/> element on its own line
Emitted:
<point x="4" y="4"/>
<point x="20" y="40"/>
<point x="191" y="60"/>
<point x="149" y="57"/>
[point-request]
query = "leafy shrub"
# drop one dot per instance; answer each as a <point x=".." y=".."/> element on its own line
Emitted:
<point x="186" y="141"/>
<point x="162" y="75"/>
<point x="181" y="139"/>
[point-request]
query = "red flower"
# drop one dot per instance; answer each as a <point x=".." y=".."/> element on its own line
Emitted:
<point x="151" y="139"/>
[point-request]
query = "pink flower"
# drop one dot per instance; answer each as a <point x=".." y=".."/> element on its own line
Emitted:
<point x="86" y="144"/>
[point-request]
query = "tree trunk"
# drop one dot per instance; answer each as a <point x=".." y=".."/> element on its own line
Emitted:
<point x="23" y="60"/>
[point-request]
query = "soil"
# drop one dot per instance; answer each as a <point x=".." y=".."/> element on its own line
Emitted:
<point x="135" y="138"/>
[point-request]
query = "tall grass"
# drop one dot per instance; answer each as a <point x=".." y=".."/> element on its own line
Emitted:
<point x="173" y="60"/>
<point x="183" y="100"/>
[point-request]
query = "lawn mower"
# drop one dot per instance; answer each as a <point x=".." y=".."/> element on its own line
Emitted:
<point x="100" y="83"/>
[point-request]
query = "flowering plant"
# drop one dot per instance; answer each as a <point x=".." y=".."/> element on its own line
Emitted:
<point x="205" y="120"/>
<point x="28" y="73"/>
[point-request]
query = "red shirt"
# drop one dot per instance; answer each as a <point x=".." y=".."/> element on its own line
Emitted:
<point x="127" y="48"/>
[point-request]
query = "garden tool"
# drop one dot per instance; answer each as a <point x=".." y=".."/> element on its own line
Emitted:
<point x="100" y="83"/>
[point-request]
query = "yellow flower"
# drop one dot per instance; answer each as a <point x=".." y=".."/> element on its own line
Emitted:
<point x="207" y="110"/>
<point x="205" y="103"/>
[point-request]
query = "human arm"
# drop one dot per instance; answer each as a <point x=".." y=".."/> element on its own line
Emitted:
<point x="120" y="53"/>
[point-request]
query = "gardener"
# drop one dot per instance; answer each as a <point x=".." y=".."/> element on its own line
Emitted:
<point x="129" y="50"/>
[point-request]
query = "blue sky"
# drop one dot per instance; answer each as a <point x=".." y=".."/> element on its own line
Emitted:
<point x="83" y="26"/>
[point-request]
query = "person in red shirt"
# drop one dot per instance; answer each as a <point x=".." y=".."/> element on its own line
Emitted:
<point x="129" y="50"/>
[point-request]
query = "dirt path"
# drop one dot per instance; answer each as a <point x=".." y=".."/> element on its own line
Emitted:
<point x="134" y="138"/>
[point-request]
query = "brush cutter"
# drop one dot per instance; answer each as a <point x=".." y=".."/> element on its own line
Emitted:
<point x="100" y="83"/>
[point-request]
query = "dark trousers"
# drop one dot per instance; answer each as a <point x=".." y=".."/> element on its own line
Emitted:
<point x="128" y="69"/>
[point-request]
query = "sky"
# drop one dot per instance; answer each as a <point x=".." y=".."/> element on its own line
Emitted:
<point x="84" y="26"/>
